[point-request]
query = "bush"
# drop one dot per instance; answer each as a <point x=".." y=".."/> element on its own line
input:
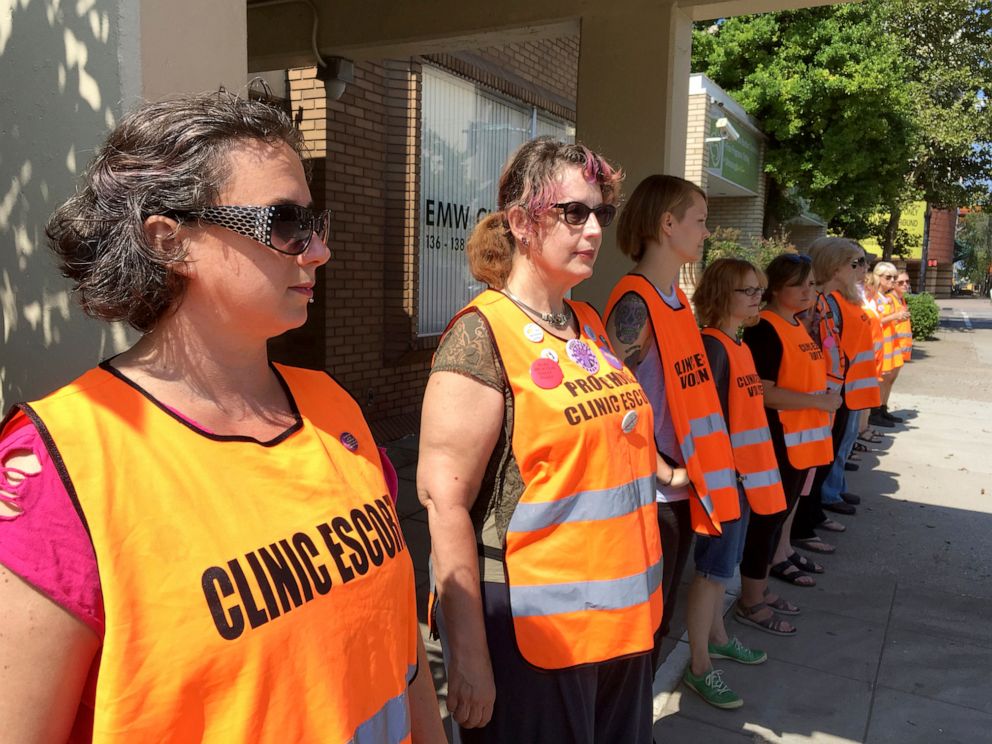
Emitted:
<point x="725" y="243"/>
<point x="924" y="313"/>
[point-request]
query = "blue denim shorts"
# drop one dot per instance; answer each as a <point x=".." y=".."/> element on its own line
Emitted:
<point x="718" y="557"/>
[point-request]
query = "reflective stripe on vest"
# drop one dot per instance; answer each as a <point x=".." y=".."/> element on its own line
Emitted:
<point x="692" y="403"/>
<point x="582" y="545"/>
<point x="861" y="379"/>
<point x="585" y="507"/>
<point x="806" y="431"/>
<point x="582" y="596"/>
<point x="391" y="723"/>
<point x="253" y="592"/>
<point x="754" y="454"/>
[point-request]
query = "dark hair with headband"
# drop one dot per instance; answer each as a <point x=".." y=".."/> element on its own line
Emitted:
<point x="786" y="270"/>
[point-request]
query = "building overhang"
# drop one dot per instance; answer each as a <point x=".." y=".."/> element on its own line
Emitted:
<point x="281" y="33"/>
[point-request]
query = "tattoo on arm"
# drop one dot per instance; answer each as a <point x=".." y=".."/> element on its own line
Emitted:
<point x="632" y="315"/>
<point x="633" y="352"/>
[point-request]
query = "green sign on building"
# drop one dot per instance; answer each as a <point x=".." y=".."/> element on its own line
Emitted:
<point x="737" y="161"/>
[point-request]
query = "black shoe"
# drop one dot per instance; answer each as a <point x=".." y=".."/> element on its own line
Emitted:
<point x="851" y="498"/>
<point x="877" y="419"/>
<point x="841" y="507"/>
<point x="851" y="466"/>
<point x="889" y="417"/>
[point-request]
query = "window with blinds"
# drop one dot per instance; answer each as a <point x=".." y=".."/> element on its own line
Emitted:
<point x="467" y="136"/>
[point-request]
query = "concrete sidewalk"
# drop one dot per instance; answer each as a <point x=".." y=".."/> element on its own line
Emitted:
<point x="895" y="641"/>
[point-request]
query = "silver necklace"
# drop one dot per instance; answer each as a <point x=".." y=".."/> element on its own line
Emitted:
<point x="558" y="321"/>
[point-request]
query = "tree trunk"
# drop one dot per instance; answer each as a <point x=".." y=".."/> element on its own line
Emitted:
<point x="889" y="240"/>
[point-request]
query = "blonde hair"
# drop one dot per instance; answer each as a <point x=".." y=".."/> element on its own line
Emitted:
<point x="884" y="266"/>
<point x="530" y="181"/>
<point x="829" y="254"/>
<point x="715" y="291"/>
<point x="640" y="220"/>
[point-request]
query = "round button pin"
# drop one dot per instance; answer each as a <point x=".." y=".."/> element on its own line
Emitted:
<point x="550" y="354"/>
<point x="546" y="373"/>
<point x="610" y="359"/>
<point x="629" y="422"/>
<point x="534" y="333"/>
<point x="349" y="441"/>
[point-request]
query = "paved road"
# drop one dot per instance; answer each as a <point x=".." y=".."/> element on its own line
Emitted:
<point x="895" y="642"/>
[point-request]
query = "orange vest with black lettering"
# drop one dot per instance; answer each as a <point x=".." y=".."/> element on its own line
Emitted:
<point x="693" y="403"/>
<point x="754" y="455"/>
<point x="904" y="328"/>
<point x="877" y="336"/>
<point x="582" y="552"/>
<point x="861" y="379"/>
<point x="891" y="351"/>
<point x="254" y="592"/>
<point x="808" y="438"/>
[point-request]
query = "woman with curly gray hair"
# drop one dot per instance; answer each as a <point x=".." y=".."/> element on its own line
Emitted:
<point x="197" y="544"/>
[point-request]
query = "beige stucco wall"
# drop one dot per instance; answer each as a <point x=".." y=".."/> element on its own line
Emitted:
<point x="69" y="70"/>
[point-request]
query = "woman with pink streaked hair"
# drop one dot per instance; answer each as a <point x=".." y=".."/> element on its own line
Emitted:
<point x="536" y="469"/>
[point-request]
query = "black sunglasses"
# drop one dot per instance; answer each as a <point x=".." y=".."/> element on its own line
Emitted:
<point x="858" y="262"/>
<point x="286" y="228"/>
<point x="797" y="257"/>
<point x="576" y="213"/>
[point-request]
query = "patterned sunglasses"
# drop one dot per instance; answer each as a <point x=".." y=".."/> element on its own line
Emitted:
<point x="286" y="228"/>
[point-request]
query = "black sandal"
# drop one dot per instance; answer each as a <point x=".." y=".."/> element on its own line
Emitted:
<point x="859" y="447"/>
<point x="805" y="564"/>
<point x="786" y="571"/>
<point x="870" y="438"/>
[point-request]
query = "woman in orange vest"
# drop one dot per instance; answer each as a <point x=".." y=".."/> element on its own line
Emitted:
<point x="652" y="327"/>
<point x="537" y="472"/>
<point x="198" y="545"/>
<point x="904" y="328"/>
<point x="842" y="329"/>
<point x="892" y="314"/>
<point x="727" y="298"/>
<point x="798" y="405"/>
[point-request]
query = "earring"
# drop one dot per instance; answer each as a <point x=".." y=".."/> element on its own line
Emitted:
<point x="524" y="241"/>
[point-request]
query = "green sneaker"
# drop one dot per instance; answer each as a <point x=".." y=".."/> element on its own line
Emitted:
<point x="737" y="651"/>
<point x="711" y="688"/>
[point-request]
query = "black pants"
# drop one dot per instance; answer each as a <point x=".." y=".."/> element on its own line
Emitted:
<point x="809" y="512"/>
<point x="594" y="704"/>
<point x="764" y="530"/>
<point x="675" y="526"/>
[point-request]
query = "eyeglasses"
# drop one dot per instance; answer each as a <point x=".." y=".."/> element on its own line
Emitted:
<point x="796" y="257"/>
<point x="889" y="276"/>
<point x="286" y="228"/>
<point x="750" y="291"/>
<point x="576" y="213"/>
<point x="905" y="281"/>
<point x="858" y="262"/>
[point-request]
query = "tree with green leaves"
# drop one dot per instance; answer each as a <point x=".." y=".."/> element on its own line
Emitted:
<point x="866" y="106"/>
<point x="975" y="234"/>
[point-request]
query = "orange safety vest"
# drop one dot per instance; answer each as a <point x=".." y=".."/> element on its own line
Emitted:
<point x="861" y="388"/>
<point x="582" y="549"/>
<point x="808" y="439"/>
<point x="877" y="336"/>
<point x="754" y="455"/>
<point x="830" y="343"/>
<point x="256" y="592"/>
<point x="693" y="403"/>
<point x="904" y="329"/>
<point x="892" y="353"/>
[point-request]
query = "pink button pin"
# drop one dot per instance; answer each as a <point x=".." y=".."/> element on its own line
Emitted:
<point x="546" y="373"/>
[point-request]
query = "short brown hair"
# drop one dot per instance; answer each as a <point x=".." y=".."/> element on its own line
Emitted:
<point x="162" y="157"/>
<point x="529" y="181"/>
<point x="786" y="269"/>
<point x="716" y="288"/>
<point x="641" y="217"/>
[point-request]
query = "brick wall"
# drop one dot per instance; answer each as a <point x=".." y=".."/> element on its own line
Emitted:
<point x="695" y="148"/>
<point x="365" y="151"/>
